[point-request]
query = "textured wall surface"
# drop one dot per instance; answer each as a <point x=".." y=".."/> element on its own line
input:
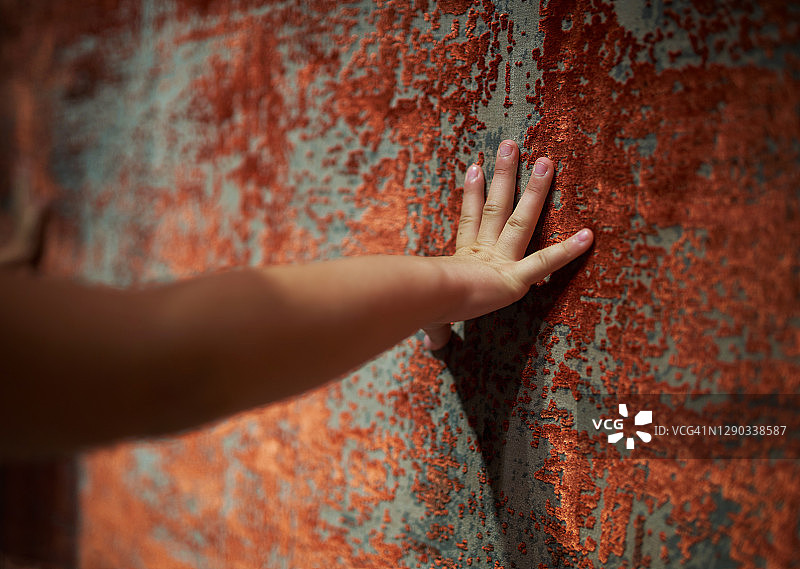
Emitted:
<point x="188" y="136"/>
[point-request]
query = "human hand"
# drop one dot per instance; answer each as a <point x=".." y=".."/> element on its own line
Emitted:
<point x="490" y="262"/>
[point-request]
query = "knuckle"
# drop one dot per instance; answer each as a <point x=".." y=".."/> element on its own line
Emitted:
<point x="515" y="223"/>
<point x="467" y="220"/>
<point x="537" y="187"/>
<point x="502" y="170"/>
<point x="545" y="261"/>
<point x="492" y="208"/>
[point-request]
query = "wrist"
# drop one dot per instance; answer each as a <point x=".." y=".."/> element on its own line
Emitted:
<point x="453" y="289"/>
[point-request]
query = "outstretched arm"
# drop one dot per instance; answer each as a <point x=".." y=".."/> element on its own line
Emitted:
<point x="85" y="365"/>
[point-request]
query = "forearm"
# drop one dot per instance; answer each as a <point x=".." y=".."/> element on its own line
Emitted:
<point x="87" y="365"/>
<point x="275" y="332"/>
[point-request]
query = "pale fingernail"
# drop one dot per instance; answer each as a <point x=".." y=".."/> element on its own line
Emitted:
<point x="540" y="168"/>
<point x="427" y="343"/>
<point x="583" y="236"/>
<point x="506" y="149"/>
<point x="472" y="173"/>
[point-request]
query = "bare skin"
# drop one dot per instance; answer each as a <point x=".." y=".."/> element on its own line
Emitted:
<point x="91" y="365"/>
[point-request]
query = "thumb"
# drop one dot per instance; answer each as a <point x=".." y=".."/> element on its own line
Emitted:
<point x="436" y="336"/>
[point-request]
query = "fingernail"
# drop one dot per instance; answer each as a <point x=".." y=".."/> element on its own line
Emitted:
<point x="583" y="236"/>
<point x="540" y="168"/>
<point x="506" y="149"/>
<point x="472" y="173"/>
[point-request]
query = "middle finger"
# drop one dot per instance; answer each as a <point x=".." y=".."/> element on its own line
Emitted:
<point x="501" y="193"/>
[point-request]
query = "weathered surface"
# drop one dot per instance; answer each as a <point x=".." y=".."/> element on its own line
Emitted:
<point x="187" y="137"/>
